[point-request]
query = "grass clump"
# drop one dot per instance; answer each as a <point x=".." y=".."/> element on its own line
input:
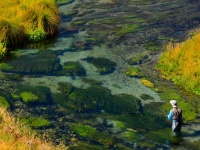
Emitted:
<point x="24" y="19"/>
<point x="180" y="64"/>
<point x="16" y="136"/>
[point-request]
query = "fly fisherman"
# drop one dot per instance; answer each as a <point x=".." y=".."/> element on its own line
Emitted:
<point x="175" y="115"/>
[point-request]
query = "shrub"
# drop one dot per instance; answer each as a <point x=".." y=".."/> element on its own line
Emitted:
<point x="147" y="83"/>
<point x="180" y="64"/>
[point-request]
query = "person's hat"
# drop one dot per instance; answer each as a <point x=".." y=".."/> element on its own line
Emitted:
<point x="174" y="103"/>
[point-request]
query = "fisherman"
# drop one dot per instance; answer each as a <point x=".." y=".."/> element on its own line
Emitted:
<point x="175" y="115"/>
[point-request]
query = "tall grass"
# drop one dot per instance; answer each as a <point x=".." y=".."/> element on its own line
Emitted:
<point x="20" y="18"/>
<point x="181" y="63"/>
<point x="16" y="136"/>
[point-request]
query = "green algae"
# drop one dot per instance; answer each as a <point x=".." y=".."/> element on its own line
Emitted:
<point x="34" y="94"/>
<point x="28" y="97"/>
<point x="103" y="65"/>
<point x="93" y="134"/>
<point x="134" y="72"/>
<point x="73" y="69"/>
<point x="129" y="28"/>
<point x="35" y="122"/>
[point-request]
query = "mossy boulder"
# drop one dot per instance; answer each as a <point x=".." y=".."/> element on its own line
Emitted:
<point x="34" y="94"/>
<point x="41" y="63"/>
<point x="103" y="65"/>
<point x="4" y="102"/>
<point x="35" y="122"/>
<point x="65" y="87"/>
<point x="73" y="69"/>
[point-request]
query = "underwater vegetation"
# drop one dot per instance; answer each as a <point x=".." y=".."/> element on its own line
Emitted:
<point x="41" y="63"/>
<point x="34" y="94"/>
<point x="73" y="69"/>
<point x="35" y="122"/>
<point x="93" y="134"/>
<point x="96" y="98"/>
<point x="103" y="65"/>
<point x="134" y="72"/>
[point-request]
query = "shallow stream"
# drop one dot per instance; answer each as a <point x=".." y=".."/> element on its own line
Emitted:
<point x="80" y="80"/>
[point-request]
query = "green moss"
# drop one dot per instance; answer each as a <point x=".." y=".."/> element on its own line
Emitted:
<point x="134" y="72"/>
<point x="15" y="96"/>
<point x="129" y="28"/>
<point x="35" y="35"/>
<point x="28" y="97"/>
<point x="73" y="68"/>
<point x="4" y="66"/>
<point x="4" y="102"/>
<point x="138" y="59"/>
<point x="38" y="94"/>
<point x="35" y="122"/>
<point x="87" y="146"/>
<point x="93" y="134"/>
<point x="65" y="87"/>
<point x="103" y="65"/>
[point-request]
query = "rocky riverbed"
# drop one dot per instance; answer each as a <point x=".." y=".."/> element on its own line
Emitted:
<point x="81" y="82"/>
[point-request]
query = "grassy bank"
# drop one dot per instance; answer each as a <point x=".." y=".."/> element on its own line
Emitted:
<point x="16" y="136"/>
<point x="180" y="63"/>
<point x="26" y="20"/>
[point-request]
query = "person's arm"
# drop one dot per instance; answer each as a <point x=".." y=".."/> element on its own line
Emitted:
<point x="170" y="116"/>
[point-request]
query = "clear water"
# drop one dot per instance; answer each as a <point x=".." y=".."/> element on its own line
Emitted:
<point x="104" y="119"/>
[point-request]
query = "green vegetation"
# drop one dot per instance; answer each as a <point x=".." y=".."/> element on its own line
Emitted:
<point x="73" y="69"/>
<point x="28" y="97"/>
<point x="4" y="102"/>
<point x="138" y="59"/>
<point x="35" y="122"/>
<point x="33" y="94"/>
<point x="22" y="20"/>
<point x="129" y="28"/>
<point x="134" y="72"/>
<point x="180" y="64"/>
<point x="103" y="65"/>
<point x="93" y="134"/>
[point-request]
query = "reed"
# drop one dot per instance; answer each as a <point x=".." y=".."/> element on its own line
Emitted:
<point x="180" y="63"/>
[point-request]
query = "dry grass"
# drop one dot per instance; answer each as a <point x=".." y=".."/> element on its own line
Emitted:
<point x="15" y="136"/>
<point x="181" y="63"/>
